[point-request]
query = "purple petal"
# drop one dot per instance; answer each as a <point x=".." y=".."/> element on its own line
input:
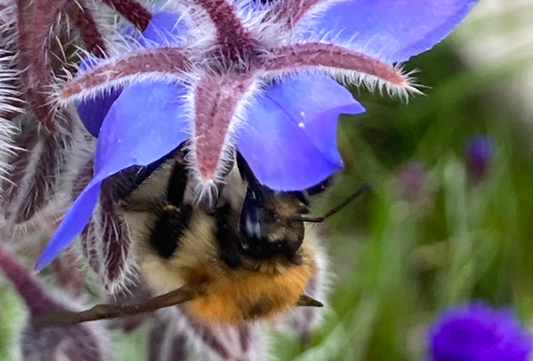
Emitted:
<point x="477" y="332"/>
<point x="389" y="30"/>
<point x="162" y="29"/>
<point x="145" y="123"/>
<point x="479" y="154"/>
<point x="93" y="111"/>
<point x="290" y="138"/>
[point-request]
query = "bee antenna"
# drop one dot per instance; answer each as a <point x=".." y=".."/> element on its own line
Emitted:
<point x="365" y="187"/>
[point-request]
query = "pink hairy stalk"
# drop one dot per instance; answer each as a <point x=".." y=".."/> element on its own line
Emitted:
<point x="232" y="36"/>
<point x="288" y="13"/>
<point x="93" y="40"/>
<point x="298" y="56"/>
<point x="164" y="60"/>
<point x="216" y="99"/>
<point x="36" y="22"/>
<point x="137" y="14"/>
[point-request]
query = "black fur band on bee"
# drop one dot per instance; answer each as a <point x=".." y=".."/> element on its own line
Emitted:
<point x="174" y="216"/>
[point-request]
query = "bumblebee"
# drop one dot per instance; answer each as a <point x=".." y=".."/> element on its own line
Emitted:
<point x="244" y="256"/>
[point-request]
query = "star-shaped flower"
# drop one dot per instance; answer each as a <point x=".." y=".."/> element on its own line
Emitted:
<point x="225" y="74"/>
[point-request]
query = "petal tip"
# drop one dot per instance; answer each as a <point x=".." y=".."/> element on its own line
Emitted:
<point x="43" y="261"/>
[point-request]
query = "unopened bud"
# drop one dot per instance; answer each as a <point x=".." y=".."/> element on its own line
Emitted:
<point x="479" y="152"/>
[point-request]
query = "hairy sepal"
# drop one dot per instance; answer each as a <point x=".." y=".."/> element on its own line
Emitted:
<point x="345" y="65"/>
<point x="220" y="109"/>
<point x="105" y="240"/>
<point x="166" y="63"/>
<point x="41" y="164"/>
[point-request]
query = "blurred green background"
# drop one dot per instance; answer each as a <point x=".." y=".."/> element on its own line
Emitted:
<point x="402" y="252"/>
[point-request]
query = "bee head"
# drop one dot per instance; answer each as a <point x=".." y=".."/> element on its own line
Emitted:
<point x="268" y="226"/>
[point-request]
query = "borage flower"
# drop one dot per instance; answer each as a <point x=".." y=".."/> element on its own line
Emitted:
<point x="233" y="74"/>
<point x="477" y="332"/>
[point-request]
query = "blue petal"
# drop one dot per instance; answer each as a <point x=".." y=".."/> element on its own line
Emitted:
<point x="290" y="136"/>
<point x="391" y="30"/>
<point x="163" y="29"/>
<point x="93" y="111"/>
<point x="145" y="123"/>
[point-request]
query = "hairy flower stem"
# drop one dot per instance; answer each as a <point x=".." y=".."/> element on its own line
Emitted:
<point x="289" y="12"/>
<point x="91" y="36"/>
<point x="164" y="60"/>
<point x="36" y="22"/>
<point x="233" y="38"/>
<point x="133" y="11"/>
<point x="335" y="57"/>
<point x="25" y="284"/>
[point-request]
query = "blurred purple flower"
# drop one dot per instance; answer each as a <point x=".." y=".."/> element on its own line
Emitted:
<point x="247" y="76"/>
<point x="412" y="180"/>
<point x="477" y="332"/>
<point x="479" y="152"/>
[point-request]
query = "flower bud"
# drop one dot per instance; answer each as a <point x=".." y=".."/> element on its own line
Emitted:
<point x="412" y="180"/>
<point x="479" y="152"/>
